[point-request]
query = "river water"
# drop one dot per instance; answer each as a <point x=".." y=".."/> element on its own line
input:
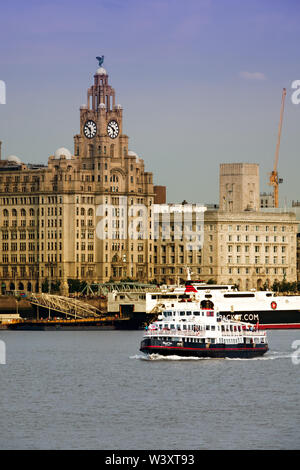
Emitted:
<point x="95" y="390"/>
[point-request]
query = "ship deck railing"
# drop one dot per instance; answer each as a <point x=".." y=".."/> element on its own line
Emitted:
<point x="66" y="320"/>
<point x="175" y="333"/>
<point x="202" y="333"/>
<point x="244" y="333"/>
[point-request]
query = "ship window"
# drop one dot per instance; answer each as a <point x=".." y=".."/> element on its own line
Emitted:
<point x="182" y="314"/>
<point x="196" y="313"/>
<point x="269" y="295"/>
<point x="189" y="313"/>
<point x="239" y="295"/>
<point x="211" y="287"/>
<point x="207" y="327"/>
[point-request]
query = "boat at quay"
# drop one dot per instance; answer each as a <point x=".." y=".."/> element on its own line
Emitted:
<point x="45" y="324"/>
<point x="133" y="306"/>
<point x="270" y="310"/>
<point x="187" y="330"/>
<point x="55" y="312"/>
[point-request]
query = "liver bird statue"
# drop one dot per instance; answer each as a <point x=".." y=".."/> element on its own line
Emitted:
<point x="100" y="60"/>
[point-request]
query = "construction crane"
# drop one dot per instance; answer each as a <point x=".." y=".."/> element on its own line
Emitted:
<point x="274" y="179"/>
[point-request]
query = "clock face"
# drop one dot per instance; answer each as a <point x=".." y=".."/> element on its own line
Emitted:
<point x="90" y="129"/>
<point x="113" y="129"/>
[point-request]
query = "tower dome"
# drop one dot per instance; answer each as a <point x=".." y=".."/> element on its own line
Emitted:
<point x="133" y="154"/>
<point x="62" y="151"/>
<point x="101" y="71"/>
<point x="14" y="159"/>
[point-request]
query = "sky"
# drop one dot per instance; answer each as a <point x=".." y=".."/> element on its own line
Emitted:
<point x="200" y="82"/>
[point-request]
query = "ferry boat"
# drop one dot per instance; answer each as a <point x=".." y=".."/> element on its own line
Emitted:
<point x="270" y="310"/>
<point x="267" y="308"/>
<point x="187" y="330"/>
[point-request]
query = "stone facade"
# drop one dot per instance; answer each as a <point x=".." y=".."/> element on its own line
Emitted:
<point x="251" y="249"/>
<point x="62" y="220"/>
<point x="93" y="216"/>
<point x="178" y="241"/>
<point x="239" y="187"/>
<point x="267" y="200"/>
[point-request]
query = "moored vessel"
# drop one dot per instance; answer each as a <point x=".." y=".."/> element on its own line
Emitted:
<point x="188" y="330"/>
<point x="270" y="310"/>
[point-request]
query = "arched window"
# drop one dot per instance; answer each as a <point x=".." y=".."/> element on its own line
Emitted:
<point x="90" y="212"/>
<point x="23" y="213"/>
<point x="14" y="213"/>
<point x="5" y="213"/>
<point x="82" y="211"/>
<point x="31" y="212"/>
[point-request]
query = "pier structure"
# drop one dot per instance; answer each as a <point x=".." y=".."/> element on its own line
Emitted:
<point x="66" y="306"/>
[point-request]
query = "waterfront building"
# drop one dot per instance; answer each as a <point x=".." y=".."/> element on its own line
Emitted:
<point x="178" y="241"/>
<point x="266" y="200"/>
<point x="71" y="217"/>
<point x="251" y="249"/>
<point x="239" y="187"/>
<point x="95" y="215"/>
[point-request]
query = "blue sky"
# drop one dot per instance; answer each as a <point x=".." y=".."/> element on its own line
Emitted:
<point x="200" y="82"/>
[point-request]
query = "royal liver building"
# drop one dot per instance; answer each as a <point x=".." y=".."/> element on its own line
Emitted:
<point x="95" y="215"/>
<point x="84" y="215"/>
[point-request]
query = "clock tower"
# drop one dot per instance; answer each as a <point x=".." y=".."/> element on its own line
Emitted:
<point x="114" y="178"/>
<point x="101" y="127"/>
